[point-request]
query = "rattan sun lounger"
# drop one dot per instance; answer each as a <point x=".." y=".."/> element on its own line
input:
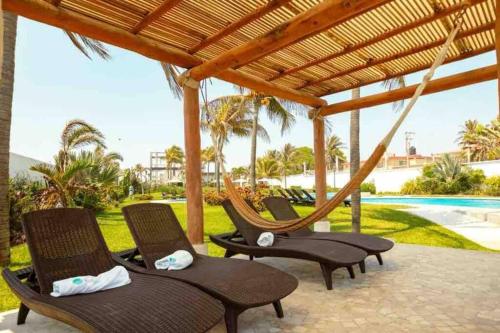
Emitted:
<point x="67" y="242"/>
<point x="238" y="284"/>
<point x="286" y="196"/>
<point x="329" y="255"/>
<point x="373" y="245"/>
<point x="347" y="202"/>
<point x="303" y="200"/>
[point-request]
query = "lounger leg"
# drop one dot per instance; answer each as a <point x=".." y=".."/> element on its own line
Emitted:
<point x="327" y="276"/>
<point x="379" y="258"/>
<point x="231" y="318"/>
<point x="229" y="254"/>
<point x="250" y="257"/>
<point x="278" y="309"/>
<point x="362" y="266"/>
<point x="22" y="314"/>
<point x="351" y="272"/>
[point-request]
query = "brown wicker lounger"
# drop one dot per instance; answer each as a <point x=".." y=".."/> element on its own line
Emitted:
<point x="67" y="242"/>
<point x="281" y="209"/>
<point x="329" y="255"/>
<point x="239" y="284"/>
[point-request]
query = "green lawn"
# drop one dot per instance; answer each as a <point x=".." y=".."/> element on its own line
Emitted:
<point x="377" y="220"/>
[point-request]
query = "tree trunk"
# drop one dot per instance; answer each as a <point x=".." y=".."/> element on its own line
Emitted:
<point x="6" y="92"/>
<point x="253" y="150"/>
<point x="217" y="176"/>
<point x="354" y="153"/>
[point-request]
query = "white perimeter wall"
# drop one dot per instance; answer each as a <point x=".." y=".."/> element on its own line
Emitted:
<point x="389" y="180"/>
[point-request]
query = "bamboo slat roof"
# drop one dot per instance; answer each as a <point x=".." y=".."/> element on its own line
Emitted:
<point x="396" y="38"/>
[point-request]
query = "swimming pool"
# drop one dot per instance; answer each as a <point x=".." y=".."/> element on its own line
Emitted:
<point x="441" y="201"/>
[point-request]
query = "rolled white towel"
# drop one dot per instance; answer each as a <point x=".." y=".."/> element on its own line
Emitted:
<point x="114" y="278"/>
<point x="265" y="239"/>
<point x="178" y="260"/>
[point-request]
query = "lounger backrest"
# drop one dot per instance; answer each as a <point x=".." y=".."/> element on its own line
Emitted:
<point x="249" y="232"/>
<point x="156" y="231"/>
<point x="63" y="243"/>
<point x="281" y="209"/>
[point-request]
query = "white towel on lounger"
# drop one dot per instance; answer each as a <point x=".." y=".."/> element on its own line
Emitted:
<point x="265" y="239"/>
<point x="114" y="278"/>
<point x="178" y="260"/>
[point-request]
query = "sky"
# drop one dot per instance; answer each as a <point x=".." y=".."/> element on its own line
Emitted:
<point x="128" y="99"/>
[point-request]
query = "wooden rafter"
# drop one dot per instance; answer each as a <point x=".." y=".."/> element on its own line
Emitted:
<point x="374" y="62"/>
<point x="155" y="15"/>
<point x="56" y="2"/>
<point x="434" y="86"/>
<point x="234" y="26"/>
<point x="411" y="71"/>
<point x="319" y="18"/>
<point x="43" y="11"/>
<point x="352" y="48"/>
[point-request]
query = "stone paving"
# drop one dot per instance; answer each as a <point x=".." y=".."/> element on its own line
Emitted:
<point x="419" y="289"/>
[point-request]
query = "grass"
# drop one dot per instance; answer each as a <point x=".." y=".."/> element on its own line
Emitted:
<point x="378" y="220"/>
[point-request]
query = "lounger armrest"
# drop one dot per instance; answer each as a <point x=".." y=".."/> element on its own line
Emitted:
<point x="15" y="283"/>
<point x="127" y="264"/>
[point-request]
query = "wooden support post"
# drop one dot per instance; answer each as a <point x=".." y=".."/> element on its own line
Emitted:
<point x="497" y="42"/>
<point x="320" y="169"/>
<point x="192" y="142"/>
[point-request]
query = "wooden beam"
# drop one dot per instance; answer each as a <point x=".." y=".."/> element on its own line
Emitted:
<point x="250" y="17"/>
<point x="386" y="35"/>
<point x="470" y="54"/>
<point x="192" y="143"/>
<point x="319" y="18"/>
<point x="434" y="86"/>
<point x="155" y="15"/>
<point x="497" y="43"/>
<point x="392" y="57"/>
<point x="44" y="12"/>
<point x="319" y="160"/>
<point x="56" y="2"/>
<point x="260" y="85"/>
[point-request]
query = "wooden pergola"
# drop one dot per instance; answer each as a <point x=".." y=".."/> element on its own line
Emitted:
<point x="301" y="50"/>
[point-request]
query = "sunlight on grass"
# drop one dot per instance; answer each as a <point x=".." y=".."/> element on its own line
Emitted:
<point x="380" y="220"/>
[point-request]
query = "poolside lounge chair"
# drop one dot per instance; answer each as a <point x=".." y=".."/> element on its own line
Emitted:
<point x="238" y="284"/>
<point x="304" y="200"/>
<point x="283" y="210"/>
<point x="67" y="242"/>
<point x="286" y="196"/>
<point x="347" y="202"/>
<point x="329" y="255"/>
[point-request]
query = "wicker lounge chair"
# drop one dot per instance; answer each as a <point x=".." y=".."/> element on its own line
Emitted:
<point x="329" y="255"/>
<point x="283" y="210"/>
<point x="238" y="284"/>
<point x="304" y="200"/>
<point x="67" y="242"/>
<point x="286" y="196"/>
<point x="347" y="202"/>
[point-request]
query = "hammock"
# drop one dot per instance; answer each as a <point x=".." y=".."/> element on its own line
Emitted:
<point x="254" y="218"/>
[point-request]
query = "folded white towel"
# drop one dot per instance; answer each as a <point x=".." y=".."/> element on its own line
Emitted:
<point x="265" y="239"/>
<point x="178" y="260"/>
<point x="115" y="277"/>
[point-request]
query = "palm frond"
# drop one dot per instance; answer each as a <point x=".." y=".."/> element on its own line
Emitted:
<point x="171" y="75"/>
<point x="395" y="83"/>
<point x="83" y="44"/>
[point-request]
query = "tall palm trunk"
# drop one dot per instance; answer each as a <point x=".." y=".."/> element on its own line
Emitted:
<point x="253" y="150"/>
<point x="217" y="175"/>
<point x="354" y="153"/>
<point x="6" y="92"/>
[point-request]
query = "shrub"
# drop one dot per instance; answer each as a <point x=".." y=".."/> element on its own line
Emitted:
<point x="368" y="187"/>
<point x="492" y="186"/>
<point x="144" y="197"/>
<point x="212" y="198"/>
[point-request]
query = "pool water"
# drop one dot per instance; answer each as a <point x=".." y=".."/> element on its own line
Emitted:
<point x="441" y="201"/>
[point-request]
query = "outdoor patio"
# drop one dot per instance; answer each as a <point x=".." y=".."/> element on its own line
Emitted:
<point x="419" y="289"/>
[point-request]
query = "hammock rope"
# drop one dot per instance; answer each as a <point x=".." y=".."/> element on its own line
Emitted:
<point x="254" y="218"/>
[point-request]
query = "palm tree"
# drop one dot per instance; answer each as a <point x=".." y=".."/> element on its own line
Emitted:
<point x="224" y="117"/>
<point x="334" y="153"/>
<point x="6" y="93"/>
<point x="207" y="157"/>
<point x="286" y="160"/>
<point x="481" y="142"/>
<point x="448" y="168"/>
<point x="173" y="155"/>
<point x="239" y="172"/>
<point x="140" y="173"/>
<point x="267" y="168"/>
<point x="280" y="111"/>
